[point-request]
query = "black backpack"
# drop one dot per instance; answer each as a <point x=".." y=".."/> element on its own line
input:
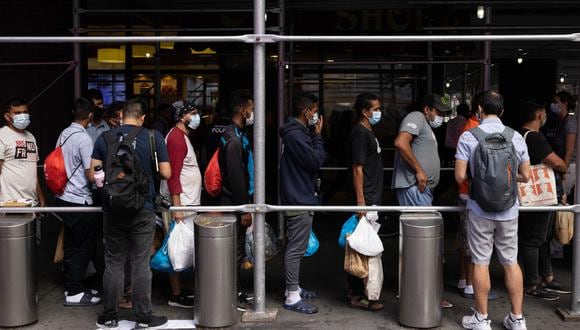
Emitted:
<point x="126" y="184"/>
<point x="494" y="185"/>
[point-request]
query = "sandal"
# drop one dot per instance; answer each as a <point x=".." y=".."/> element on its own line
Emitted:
<point x="306" y="294"/>
<point x="364" y="303"/>
<point x="445" y="304"/>
<point x="88" y="299"/>
<point x="302" y="307"/>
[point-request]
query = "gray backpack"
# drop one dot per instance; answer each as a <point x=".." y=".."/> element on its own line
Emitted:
<point x="495" y="166"/>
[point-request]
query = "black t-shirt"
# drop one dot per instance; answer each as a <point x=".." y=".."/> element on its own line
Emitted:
<point x="538" y="146"/>
<point x="363" y="148"/>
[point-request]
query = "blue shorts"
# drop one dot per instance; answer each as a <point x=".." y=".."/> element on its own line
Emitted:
<point x="413" y="197"/>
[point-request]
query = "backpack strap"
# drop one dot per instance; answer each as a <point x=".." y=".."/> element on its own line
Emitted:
<point x="478" y="133"/>
<point x="68" y="137"/>
<point x="133" y="134"/>
<point x="508" y="133"/>
<point x="154" y="160"/>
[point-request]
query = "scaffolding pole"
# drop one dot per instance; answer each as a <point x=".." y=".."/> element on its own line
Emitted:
<point x="281" y="107"/>
<point x="77" y="49"/>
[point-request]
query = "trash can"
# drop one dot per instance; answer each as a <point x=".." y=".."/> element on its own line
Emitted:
<point x="420" y="269"/>
<point x="215" y="270"/>
<point x="18" y="297"/>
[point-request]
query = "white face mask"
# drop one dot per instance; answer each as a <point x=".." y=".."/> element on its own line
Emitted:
<point x="375" y="117"/>
<point x="250" y="121"/>
<point x="21" y="120"/>
<point x="555" y="107"/>
<point x="194" y="122"/>
<point x="437" y="122"/>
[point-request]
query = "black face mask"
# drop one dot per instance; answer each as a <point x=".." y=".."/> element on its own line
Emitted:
<point x="98" y="113"/>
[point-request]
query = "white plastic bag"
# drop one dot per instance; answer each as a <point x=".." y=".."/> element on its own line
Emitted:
<point x="365" y="239"/>
<point x="374" y="282"/>
<point x="180" y="246"/>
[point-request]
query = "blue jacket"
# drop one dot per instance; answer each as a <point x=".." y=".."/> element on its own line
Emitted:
<point x="302" y="156"/>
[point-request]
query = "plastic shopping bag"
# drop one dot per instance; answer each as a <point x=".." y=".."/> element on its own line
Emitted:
<point x="365" y="239"/>
<point x="271" y="245"/>
<point x="313" y="245"/>
<point x="347" y="228"/>
<point x="180" y="246"/>
<point x="355" y="263"/>
<point x="160" y="260"/>
<point x="564" y="227"/>
<point x="374" y="282"/>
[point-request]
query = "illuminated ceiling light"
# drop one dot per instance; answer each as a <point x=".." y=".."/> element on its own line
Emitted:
<point x="448" y="84"/>
<point x="520" y="60"/>
<point x="207" y="51"/>
<point x="562" y="78"/>
<point x="330" y="60"/>
<point x="274" y="57"/>
<point x="143" y="51"/>
<point x="110" y="55"/>
<point x="480" y="12"/>
<point x="287" y="66"/>
<point x="199" y="77"/>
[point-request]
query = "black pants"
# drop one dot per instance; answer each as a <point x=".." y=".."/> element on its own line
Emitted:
<point x="535" y="233"/>
<point x="128" y="236"/>
<point x="80" y="241"/>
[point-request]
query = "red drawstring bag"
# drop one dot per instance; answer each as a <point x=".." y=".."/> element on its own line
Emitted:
<point x="213" y="176"/>
<point x="55" y="169"/>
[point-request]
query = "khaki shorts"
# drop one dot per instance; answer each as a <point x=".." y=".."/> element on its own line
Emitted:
<point x="484" y="234"/>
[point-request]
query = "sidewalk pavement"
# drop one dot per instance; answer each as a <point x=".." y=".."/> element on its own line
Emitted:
<point x="321" y="273"/>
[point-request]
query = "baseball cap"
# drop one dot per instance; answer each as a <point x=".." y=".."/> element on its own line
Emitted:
<point x="180" y="108"/>
<point x="439" y="102"/>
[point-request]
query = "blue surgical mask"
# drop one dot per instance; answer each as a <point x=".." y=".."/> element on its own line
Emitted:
<point x="21" y="120"/>
<point x="375" y="117"/>
<point x="555" y="108"/>
<point x="194" y="122"/>
<point x="437" y="122"/>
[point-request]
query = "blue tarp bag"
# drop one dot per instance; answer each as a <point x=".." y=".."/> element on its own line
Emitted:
<point x="160" y="260"/>
<point x="313" y="245"/>
<point x="347" y="228"/>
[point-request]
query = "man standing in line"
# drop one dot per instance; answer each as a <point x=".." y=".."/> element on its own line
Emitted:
<point x="364" y="153"/>
<point x="417" y="166"/>
<point x="237" y="169"/>
<point x="185" y="183"/>
<point x="486" y="229"/>
<point x="98" y="125"/>
<point x="131" y="235"/>
<point x="80" y="229"/>
<point x="302" y="156"/>
<point x="535" y="228"/>
<point x="18" y="157"/>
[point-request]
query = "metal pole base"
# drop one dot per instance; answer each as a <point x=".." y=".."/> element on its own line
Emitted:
<point x="567" y="315"/>
<point x="267" y="316"/>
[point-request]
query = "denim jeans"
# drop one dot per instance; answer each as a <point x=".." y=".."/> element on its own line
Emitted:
<point x="535" y="233"/>
<point x="128" y="236"/>
<point x="80" y="241"/>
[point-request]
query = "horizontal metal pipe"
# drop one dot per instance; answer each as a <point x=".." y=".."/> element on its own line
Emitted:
<point x="269" y="38"/>
<point x="35" y="63"/>
<point x="279" y="208"/>
<point x="168" y="11"/>
<point x="421" y="38"/>
<point x="484" y="28"/>
<point x="387" y="62"/>
<point x="443" y="169"/>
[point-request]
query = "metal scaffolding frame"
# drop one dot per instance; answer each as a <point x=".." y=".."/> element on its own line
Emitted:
<point x="259" y="39"/>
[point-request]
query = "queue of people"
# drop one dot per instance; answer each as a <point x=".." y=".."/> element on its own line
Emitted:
<point x="170" y="165"/>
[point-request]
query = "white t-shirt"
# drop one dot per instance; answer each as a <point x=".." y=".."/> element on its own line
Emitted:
<point x="19" y="177"/>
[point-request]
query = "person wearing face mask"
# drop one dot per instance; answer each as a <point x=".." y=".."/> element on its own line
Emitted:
<point x="237" y="168"/>
<point x="535" y="228"/>
<point x="302" y="156"/>
<point x="417" y="166"/>
<point x="366" y="177"/>
<point x="184" y="186"/>
<point x="81" y="230"/>
<point x="18" y="157"/>
<point x="98" y="125"/>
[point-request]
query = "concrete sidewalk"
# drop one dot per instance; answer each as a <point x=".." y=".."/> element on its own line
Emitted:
<point x="321" y="273"/>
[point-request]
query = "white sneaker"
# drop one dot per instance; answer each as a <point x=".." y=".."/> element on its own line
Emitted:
<point x="514" y="324"/>
<point x="475" y="322"/>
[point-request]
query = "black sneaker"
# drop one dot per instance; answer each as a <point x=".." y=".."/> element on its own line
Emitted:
<point x="556" y="287"/>
<point x="104" y="322"/>
<point x="540" y="293"/>
<point x="154" y="322"/>
<point x="245" y="297"/>
<point x="180" y="301"/>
